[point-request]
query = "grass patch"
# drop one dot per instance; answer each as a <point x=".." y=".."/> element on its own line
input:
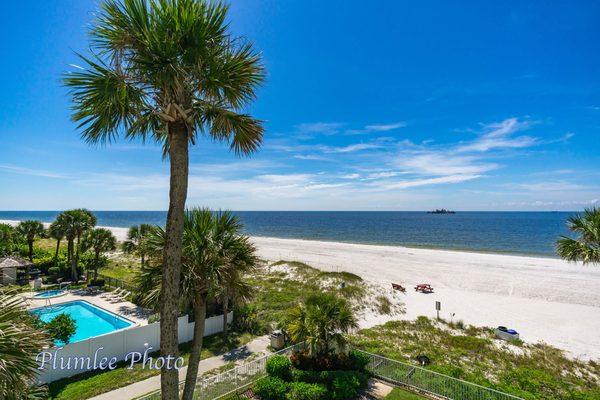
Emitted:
<point x="400" y="394"/>
<point x="529" y="371"/>
<point x="280" y="289"/>
<point x="93" y="383"/>
<point x="384" y="305"/>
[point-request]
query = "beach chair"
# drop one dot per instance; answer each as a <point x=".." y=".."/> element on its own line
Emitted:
<point x="114" y="292"/>
<point x="120" y="298"/>
<point x="424" y="288"/>
<point x="397" y="286"/>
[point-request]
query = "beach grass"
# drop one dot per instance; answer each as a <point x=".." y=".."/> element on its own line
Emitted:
<point x="530" y="371"/>
<point x="400" y="394"/>
<point x="90" y="384"/>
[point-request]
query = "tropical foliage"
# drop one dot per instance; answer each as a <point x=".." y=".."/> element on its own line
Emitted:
<point x="62" y="327"/>
<point x="321" y="321"/>
<point x="20" y="342"/>
<point x="170" y="71"/>
<point x="98" y="240"/>
<point x="136" y="241"/>
<point x="586" y="248"/>
<point x="213" y="248"/>
<point x="8" y="240"/>
<point x="74" y="224"/>
<point x="30" y="230"/>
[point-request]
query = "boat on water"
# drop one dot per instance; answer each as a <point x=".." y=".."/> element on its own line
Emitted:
<point x="441" y="211"/>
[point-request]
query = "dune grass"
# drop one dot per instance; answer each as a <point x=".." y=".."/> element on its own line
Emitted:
<point x="530" y="371"/>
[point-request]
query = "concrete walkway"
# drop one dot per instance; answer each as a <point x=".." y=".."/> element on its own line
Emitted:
<point x="256" y="348"/>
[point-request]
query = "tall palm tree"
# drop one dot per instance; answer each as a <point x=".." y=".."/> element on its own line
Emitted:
<point x="20" y="342"/>
<point x="322" y="322"/>
<point x="586" y="247"/>
<point x="169" y="70"/>
<point x="241" y="260"/>
<point x="57" y="232"/>
<point x="99" y="240"/>
<point x="210" y="242"/>
<point x="74" y="224"/>
<point x="136" y="241"/>
<point x="30" y="230"/>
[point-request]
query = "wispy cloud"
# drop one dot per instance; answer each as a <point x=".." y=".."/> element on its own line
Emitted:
<point x="404" y="184"/>
<point x="325" y="128"/>
<point x="351" y="148"/>
<point x="33" y="172"/>
<point x="498" y="135"/>
<point x="376" y="128"/>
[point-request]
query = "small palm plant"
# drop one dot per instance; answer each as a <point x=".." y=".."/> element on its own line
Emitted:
<point x="136" y="241"/>
<point x="20" y="341"/>
<point x="57" y="232"/>
<point x="586" y="248"/>
<point x="99" y="240"/>
<point x="321" y="321"/>
<point x="30" y="230"/>
<point x="74" y="224"/>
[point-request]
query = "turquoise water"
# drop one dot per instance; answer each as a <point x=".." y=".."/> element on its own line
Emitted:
<point x="48" y="293"/>
<point x="510" y="232"/>
<point x="90" y="320"/>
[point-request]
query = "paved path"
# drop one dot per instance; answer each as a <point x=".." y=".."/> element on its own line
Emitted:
<point x="255" y="348"/>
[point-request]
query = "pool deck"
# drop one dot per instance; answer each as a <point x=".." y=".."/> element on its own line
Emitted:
<point x="126" y="309"/>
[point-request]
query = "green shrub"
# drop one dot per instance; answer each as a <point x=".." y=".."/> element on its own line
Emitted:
<point x="54" y="271"/>
<point x="299" y="375"/>
<point x="270" y="388"/>
<point x="359" y="361"/>
<point x="306" y="391"/>
<point x="280" y="367"/>
<point x="345" y="386"/>
<point x="246" y="319"/>
<point x="62" y="327"/>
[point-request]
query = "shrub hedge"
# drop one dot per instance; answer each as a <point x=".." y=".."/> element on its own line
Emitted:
<point x="280" y="367"/>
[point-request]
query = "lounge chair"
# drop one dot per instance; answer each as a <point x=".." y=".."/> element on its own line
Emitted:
<point x="120" y="298"/>
<point x="114" y="292"/>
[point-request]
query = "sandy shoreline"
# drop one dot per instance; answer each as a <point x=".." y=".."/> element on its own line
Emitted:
<point x="545" y="299"/>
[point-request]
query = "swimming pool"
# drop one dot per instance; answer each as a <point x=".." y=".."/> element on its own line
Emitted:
<point x="90" y="320"/>
<point x="47" y="294"/>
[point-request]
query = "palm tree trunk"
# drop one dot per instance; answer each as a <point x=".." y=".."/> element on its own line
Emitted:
<point x="192" y="371"/>
<point x="96" y="260"/>
<point x="57" y="248"/>
<point x="225" y="312"/>
<point x="169" y="304"/>
<point x="30" y="244"/>
<point x="72" y="261"/>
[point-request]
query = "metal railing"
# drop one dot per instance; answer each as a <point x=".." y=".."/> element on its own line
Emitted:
<point x="115" y="282"/>
<point x="231" y="381"/>
<point x="430" y="382"/>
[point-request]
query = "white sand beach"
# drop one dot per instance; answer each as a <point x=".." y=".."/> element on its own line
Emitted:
<point x="544" y="299"/>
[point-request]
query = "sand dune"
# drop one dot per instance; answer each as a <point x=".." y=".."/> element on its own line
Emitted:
<point x="545" y="299"/>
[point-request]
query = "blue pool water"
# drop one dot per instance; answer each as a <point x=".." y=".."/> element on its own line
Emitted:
<point x="90" y="320"/>
<point x="49" y="293"/>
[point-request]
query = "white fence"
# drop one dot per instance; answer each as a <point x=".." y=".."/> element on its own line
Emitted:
<point x="75" y="358"/>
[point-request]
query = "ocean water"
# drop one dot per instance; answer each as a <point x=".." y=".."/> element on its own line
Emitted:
<point x="509" y="232"/>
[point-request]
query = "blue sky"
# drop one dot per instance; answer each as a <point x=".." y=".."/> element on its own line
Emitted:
<point x="383" y="105"/>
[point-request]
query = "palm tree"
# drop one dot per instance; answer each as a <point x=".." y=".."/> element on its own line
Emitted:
<point x="30" y="230"/>
<point x="586" y="248"/>
<point x="7" y="239"/>
<point x="136" y="241"/>
<point x="57" y="232"/>
<point x="209" y="244"/>
<point x="322" y="322"/>
<point x="241" y="260"/>
<point x="74" y="224"/>
<point x="172" y="71"/>
<point x="20" y="342"/>
<point x="99" y="240"/>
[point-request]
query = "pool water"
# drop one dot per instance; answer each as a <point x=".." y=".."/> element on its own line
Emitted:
<point x="49" y="293"/>
<point x="90" y="320"/>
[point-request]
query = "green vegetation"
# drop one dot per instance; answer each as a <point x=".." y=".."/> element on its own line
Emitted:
<point x="62" y="327"/>
<point x="586" y="248"/>
<point x="400" y="394"/>
<point x="93" y="383"/>
<point x="283" y="285"/>
<point x="530" y="371"/>
<point x="30" y="230"/>
<point x="20" y="342"/>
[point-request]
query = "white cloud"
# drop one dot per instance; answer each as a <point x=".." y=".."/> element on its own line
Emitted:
<point x="429" y="181"/>
<point x="326" y="128"/>
<point x="351" y="148"/>
<point x="33" y="172"/>
<point x="498" y="136"/>
<point x="385" y="127"/>
<point x="442" y="164"/>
